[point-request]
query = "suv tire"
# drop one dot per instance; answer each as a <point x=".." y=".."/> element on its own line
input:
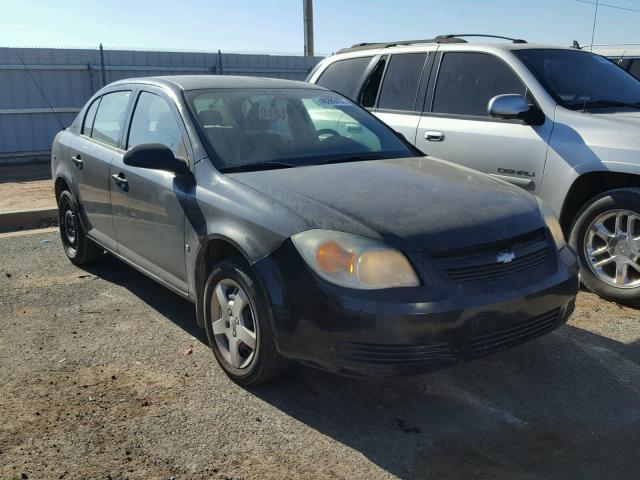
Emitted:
<point x="598" y="271"/>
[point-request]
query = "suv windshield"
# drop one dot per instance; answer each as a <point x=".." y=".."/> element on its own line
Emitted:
<point x="564" y="74"/>
<point x="254" y="129"/>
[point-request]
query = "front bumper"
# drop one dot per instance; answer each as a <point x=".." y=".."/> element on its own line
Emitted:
<point x="406" y="330"/>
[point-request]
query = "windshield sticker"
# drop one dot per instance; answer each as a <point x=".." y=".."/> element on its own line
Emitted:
<point x="332" y="101"/>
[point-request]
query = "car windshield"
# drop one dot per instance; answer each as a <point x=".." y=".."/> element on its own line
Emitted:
<point x="566" y="73"/>
<point x="252" y="129"/>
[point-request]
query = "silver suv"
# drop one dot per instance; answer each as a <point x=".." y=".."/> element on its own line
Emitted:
<point x="561" y="123"/>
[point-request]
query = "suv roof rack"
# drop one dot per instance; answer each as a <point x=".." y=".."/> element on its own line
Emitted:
<point x="459" y="35"/>
<point x="449" y="38"/>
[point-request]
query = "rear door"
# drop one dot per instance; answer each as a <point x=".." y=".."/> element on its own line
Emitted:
<point x="91" y="155"/>
<point x="395" y="90"/>
<point x="147" y="204"/>
<point x="456" y="126"/>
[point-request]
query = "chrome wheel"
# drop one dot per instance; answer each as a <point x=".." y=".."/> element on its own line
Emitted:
<point x="612" y="248"/>
<point x="233" y="323"/>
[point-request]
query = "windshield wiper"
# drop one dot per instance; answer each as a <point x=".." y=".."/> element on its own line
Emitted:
<point x="604" y="104"/>
<point x="252" y="167"/>
<point x="361" y="157"/>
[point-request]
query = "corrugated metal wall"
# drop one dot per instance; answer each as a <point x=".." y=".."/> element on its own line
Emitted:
<point x="36" y="82"/>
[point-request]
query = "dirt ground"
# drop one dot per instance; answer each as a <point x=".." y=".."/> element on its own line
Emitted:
<point x="105" y="375"/>
<point x="26" y="188"/>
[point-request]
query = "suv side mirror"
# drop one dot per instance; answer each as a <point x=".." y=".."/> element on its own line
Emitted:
<point x="155" y="156"/>
<point x="512" y="106"/>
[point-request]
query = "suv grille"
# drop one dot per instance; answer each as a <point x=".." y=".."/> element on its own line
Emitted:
<point x="501" y="339"/>
<point x="481" y="264"/>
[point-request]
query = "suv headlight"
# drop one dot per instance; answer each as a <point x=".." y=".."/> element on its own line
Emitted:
<point x="353" y="261"/>
<point x="551" y="220"/>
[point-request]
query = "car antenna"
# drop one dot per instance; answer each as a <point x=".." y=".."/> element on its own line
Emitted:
<point x="593" y="34"/>
<point x="576" y="45"/>
<point x="55" y="114"/>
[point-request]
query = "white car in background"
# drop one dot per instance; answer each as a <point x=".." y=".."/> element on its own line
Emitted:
<point x="559" y="122"/>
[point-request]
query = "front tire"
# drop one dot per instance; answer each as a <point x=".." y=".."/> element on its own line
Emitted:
<point x="238" y="325"/>
<point x="606" y="237"/>
<point x="79" y="248"/>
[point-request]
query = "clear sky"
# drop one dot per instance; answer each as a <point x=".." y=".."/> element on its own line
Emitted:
<point x="275" y="26"/>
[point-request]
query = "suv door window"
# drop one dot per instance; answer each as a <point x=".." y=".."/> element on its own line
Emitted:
<point x="110" y="117"/>
<point x="87" y="125"/>
<point x="401" y="80"/>
<point x="153" y="121"/>
<point x="372" y="85"/>
<point x="467" y="81"/>
<point x="344" y="76"/>
<point x="634" y="68"/>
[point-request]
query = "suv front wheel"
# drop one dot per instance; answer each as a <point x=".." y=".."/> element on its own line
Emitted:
<point x="606" y="237"/>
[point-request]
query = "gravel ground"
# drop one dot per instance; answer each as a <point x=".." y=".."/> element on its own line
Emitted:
<point x="104" y="374"/>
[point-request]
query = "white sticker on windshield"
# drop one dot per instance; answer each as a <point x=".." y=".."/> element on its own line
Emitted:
<point x="332" y="101"/>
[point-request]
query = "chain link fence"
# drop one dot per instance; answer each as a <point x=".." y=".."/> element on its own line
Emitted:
<point x="42" y="89"/>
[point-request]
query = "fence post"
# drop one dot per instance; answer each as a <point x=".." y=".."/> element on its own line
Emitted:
<point x="104" y="79"/>
<point x="93" y="90"/>
<point x="219" y="62"/>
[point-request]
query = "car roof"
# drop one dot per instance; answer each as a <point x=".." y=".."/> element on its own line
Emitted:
<point x="199" y="82"/>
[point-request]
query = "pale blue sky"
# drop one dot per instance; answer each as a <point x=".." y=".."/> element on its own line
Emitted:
<point x="276" y="25"/>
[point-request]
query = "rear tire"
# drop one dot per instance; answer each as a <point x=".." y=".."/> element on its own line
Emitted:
<point x="606" y="236"/>
<point x="79" y="248"/>
<point x="236" y="312"/>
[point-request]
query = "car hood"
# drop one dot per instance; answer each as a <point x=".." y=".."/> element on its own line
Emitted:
<point x="414" y="204"/>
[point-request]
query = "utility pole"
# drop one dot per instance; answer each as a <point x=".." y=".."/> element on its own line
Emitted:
<point x="308" y="27"/>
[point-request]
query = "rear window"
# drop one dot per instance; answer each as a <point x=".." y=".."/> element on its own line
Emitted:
<point x="344" y="76"/>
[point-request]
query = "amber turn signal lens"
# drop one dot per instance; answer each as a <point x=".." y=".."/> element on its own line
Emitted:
<point x="332" y="258"/>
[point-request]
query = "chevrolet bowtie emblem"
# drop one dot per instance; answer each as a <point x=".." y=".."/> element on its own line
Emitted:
<point x="505" y="257"/>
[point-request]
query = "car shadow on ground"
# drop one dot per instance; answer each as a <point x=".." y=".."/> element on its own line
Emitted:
<point x="177" y="309"/>
<point x="566" y="405"/>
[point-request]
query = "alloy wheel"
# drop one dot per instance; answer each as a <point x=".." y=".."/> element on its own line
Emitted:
<point x="612" y="248"/>
<point x="233" y="324"/>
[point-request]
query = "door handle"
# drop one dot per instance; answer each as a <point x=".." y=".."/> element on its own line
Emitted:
<point x="433" y="136"/>
<point x="77" y="161"/>
<point x="120" y="181"/>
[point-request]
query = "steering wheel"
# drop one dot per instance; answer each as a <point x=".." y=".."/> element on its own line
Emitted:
<point x="328" y="131"/>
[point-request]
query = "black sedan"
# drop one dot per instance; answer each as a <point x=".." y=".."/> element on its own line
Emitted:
<point x="305" y="230"/>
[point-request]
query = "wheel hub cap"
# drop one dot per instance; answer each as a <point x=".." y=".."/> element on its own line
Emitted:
<point x="234" y="330"/>
<point x="612" y="248"/>
<point x="70" y="226"/>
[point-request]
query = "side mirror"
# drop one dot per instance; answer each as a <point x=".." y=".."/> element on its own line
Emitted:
<point x="155" y="156"/>
<point x="512" y="106"/>
<point x="507" y="106"/>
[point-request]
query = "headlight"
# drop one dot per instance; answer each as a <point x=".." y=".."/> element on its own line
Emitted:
<point x="553" y="224"/>
<point x="354" y="262"/>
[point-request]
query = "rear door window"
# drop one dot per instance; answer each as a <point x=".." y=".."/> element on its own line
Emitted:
<point x="344" y="76"/>
<point x="87" y="125"/>
<point x="467" y="81"/>
<point x="401" y="81"/>
<point x="110" y="117"/>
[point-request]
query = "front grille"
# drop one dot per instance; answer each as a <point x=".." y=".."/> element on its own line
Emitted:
<point x="397" y="355"/>
<point x="501" y="339"/>
<point x="493" y="271"/>
<point x="480" y="264"/>
<point x="571" y="306"/>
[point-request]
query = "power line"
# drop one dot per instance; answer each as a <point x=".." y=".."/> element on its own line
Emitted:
<point x="609" y="6"/>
